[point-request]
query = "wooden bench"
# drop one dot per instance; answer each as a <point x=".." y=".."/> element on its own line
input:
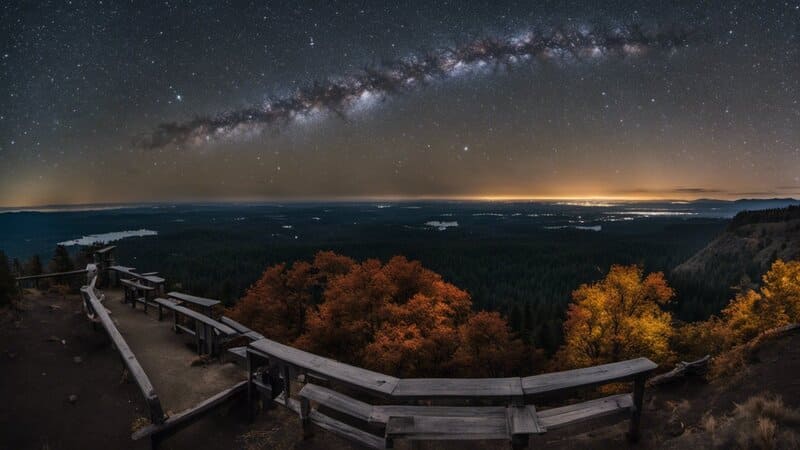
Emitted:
<point x="207" y="332"/>
<point x="485" y="408"/>
<point x="150" y="279"/>
<point x="206" y="304"/>
<point x="132" y="291"/>
<point x="415" y="422"/>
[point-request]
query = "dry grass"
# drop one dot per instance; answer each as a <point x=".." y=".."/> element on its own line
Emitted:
<point x="139" y="423"/>
<point x="732" y="363"/>
<point x="762" y="422"/>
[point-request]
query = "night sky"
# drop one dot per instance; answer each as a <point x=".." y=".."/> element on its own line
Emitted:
<point x="125" y="101"/>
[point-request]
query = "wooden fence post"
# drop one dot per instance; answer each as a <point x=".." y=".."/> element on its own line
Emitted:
<point x="305" y="409"/>
<point x="636" y="409"/>
<point x="249" y="387"/>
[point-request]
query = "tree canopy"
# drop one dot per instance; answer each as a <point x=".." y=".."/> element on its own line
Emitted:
<point x="61" y="262"/>
<point x="617" y="318"/>
<point x="396" y="317"/>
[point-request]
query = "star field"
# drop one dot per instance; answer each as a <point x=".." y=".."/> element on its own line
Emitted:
<point x="139" y="101"/>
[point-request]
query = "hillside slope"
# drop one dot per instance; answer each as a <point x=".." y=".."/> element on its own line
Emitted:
<point x="740" y="255"/>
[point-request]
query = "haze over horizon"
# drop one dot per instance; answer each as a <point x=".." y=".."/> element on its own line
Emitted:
<point x="126" y="103"/>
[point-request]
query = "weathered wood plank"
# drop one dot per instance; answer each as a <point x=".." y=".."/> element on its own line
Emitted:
<point x="458" y="387"/>
<point x="337" y="401"/>
<point x="235" y="325"/>
<point x="697" y="367"/>
<point x="523" y="420"/>
<point x="165" y="302"/>
<point x="53" y="275"/>
<point x="136" y="285"/>
<point x="590" y="376"/>
<point x="240" y="352"/>
<point x="346" y="431"/>
<point x="567" y="415"/>
<point x="186" y="329"/>
<point x="252" y="335"/>
<point x="123" y="269"/>
<point x="199" y="301"/>
<point x="345" y="373"/>
<point x="197" y="316"/>
<point x="447" y="428"/>
<point x="128" y="358"/>
<point x="382" y="413"/>
<point x="187" y="416"/>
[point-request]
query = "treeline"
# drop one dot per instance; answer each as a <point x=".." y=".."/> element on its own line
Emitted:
<point x="791" y="212"/>
<point x="625" y="315"/>
<point x="400" y="318"/>
<point x="61" y="261"/>
<point x="526" y="276"/>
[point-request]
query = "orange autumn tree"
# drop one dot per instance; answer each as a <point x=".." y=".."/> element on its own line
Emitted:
<point x="617" y="318"/>
<point x="488" y="346"/>
<point x="276" y="303"/>
<point x="397" y="317"/>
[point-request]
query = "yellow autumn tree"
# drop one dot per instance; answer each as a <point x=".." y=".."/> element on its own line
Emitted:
<point x="617" y="318"/>
<point x="775" y="304"/>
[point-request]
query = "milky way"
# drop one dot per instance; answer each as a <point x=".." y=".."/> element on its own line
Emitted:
<point x="343" y="96"/>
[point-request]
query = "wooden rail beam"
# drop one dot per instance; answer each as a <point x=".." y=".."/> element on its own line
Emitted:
<point x="128" y="358"/>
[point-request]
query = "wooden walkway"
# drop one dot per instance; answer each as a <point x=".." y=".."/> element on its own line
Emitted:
<point x="167" y="358"/>
<point x="379" y="408"/>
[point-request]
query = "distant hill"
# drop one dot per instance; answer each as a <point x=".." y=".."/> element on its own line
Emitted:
<point x="739" y="256"/>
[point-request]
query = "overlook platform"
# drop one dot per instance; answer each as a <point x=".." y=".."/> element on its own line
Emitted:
<point x="168" y="358"/>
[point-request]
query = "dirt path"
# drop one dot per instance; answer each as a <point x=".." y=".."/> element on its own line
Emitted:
<point x="167" y="357"/>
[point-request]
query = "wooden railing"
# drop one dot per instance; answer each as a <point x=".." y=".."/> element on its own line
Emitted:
<point x="52" y="275"/>
<point x="433" y="408"/>
<point x="376" y="409"/>
<point x="97" y="312"/>
<point x="35" y="278"/>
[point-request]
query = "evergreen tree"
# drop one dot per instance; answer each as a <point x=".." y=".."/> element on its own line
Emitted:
<point x="16" y="267"/>
<point x="34" y="266"/>
<point x="61" y="261"/>
<point x="7" y="281"/>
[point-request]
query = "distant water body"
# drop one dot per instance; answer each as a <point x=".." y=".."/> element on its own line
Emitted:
<point x="105" y="238"/>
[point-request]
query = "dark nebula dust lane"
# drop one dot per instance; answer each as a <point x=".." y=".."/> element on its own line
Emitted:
<point x="343" y="96"/>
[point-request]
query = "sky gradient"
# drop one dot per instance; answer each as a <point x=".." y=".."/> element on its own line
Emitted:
<point x="111" y="102"/>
